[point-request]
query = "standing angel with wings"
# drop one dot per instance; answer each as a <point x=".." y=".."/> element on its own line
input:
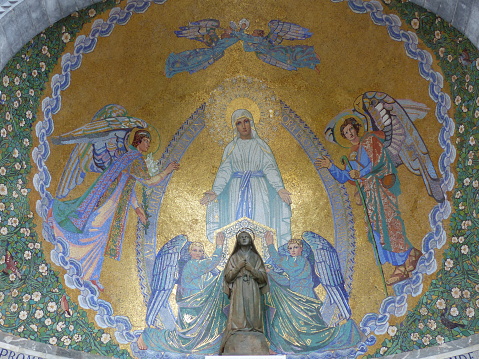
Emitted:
<point x="268" y="49"/>
<point x="390" y="140"/>
<point x="94" y="223"/>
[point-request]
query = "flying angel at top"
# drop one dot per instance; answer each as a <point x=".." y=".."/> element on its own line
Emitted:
<point x="267" y="48"/>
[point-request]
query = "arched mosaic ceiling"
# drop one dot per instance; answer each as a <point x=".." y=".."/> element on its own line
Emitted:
<point x="299" y="106"/>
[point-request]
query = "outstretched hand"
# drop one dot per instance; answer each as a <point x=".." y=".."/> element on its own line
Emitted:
<point x="172" y="167"/>
<point x="141" y="214"/>
<point x="209" y="196"/>
<point x="323" y="162"/>
<point x="285" y="196"/>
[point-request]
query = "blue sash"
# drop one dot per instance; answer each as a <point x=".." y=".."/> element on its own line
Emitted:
<point x="245" y="196"/>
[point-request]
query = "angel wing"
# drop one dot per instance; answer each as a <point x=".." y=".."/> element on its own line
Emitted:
<point x="402" y="140"/>
<point x="202" y="30"/>
<point x="280" y="30"/>
<point x="99" y="143"/>
<point x="165" y="276"/>
<point x="328" y="268"/>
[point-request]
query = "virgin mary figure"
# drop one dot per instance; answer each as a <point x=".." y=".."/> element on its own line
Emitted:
<point x="248" y="183"/>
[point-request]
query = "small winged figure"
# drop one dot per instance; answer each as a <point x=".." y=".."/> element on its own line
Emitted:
<point x="200" y="320"/>
<point x="303" y="264"/>
<point x="207" y="32"/>
<point x="10" y="265"/>
<point x="268" y="47"/>
<point x="94" y="223"/>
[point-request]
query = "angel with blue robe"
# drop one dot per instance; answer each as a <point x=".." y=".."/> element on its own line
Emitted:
<point x="391" y="139"/>
<point x="295" y="324"/>
<point x="94" y="223"/>
<point x="194" y="60"/>
<point x="200" y="322"/>
<point x="268" y="49"/>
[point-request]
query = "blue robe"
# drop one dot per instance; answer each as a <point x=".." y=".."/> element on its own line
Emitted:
<point x="298" y="270"/>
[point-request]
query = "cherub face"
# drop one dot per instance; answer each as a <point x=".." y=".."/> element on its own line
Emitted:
<point x="144" y="145"/>
<point x="295" y="249"/>
<point x="350" y="133"/>
<point x="196" y="252"/>
<point x="243" y="126"/>
<point x="244" y="239"/>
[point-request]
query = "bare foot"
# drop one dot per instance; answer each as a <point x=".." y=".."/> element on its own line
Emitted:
<point x="141" y="344"/>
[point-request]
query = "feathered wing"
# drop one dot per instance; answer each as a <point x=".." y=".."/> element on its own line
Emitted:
<point x="328" y="269"/>
<point x="280" y="30"/>
<point x="202" y="30"/>
<point x="98" y="144"/>
<point x="272" y="61"/>
<point x="165" y="276"/>
<point x="402" y="140"/>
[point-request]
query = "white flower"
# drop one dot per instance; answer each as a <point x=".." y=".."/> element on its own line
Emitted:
<point x="26" y="141"/>
<point x="440" y="339"/>
<point x="71" y="327"/>
<point x="23" y="315"/>
<point x="38" y="313"/>
<point x="52" y="306"/>
<point x="3" y="190"/>
<point x="24" y="191"/>
<point x="467" y="181"/>
<point x="454" y="312"/>
<point x="14" y="307"/>
<point x="18" y="166"/>
<point x="14" y="292"/>
<point x="456" y="292"/>
<point x="42" y="268"/>
<point x="60" y="326"/>
<point x="105" y="338"/>
<point x="457" y="100"/>
<point x="91" y="12"/>
<point x="43" y="66"/>
<point x="34" y="327"/>
<point x="441" y="304"/>
<point x="66" y="37"/>
<point x="460" y="239"/>
<point x="477" y="287"/>
<point x="30" y="245"/>
<point x="475" y="184"/>
<point x="6" y="80"/>
<point x="458" y="194"/>
<point x="77" y="337"/>
<point x="431" y="324"/>
<point x="13" y="221"/>
<point x="3" y="171"/>
<point x="423" y="311"/>
<point x="383" y="350"/>
<point x="466" y="294"/>
<point x="26" y="297"/>
<point x="472" y="141"/>
<point x="392" y="330"/>
<point x="2" y="206"/>
<point x="53" y="340"/>
<point x="44" y="49"/>
<point x="420" y="325"/>
<point x="2" y="296"/>
<point x="4" y="230"/>
<point x="464" y="249"/>
<point x="415" y="23"/>
<point x="477" y="303"/>
<point x="470" y="312"/>
<point x="464" y="108"/>
<point x="414" y="336"/>
<point x="20" y="328"/>
<point x="12" y="277"/>
<point x="470" y="88"/>
<point x="37" y="245"/>
<point x="425" y="340"/>
<point x="48" y="321"/>
<point x="66" y="340"/>
<point x="476" y="114"/>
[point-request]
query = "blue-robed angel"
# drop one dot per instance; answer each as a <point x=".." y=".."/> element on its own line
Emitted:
<point x="194" y="60"/>
<point x="268" y="49"/>
<point x="200" y="322"/>
<point x="293" y="322"/>
<point x="94" y="223"/>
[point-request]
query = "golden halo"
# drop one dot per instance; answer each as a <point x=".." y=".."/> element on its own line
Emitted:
<point x="245" y="104"/>
<point x="154" y="141"/>
<point x="338" y="121"/>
